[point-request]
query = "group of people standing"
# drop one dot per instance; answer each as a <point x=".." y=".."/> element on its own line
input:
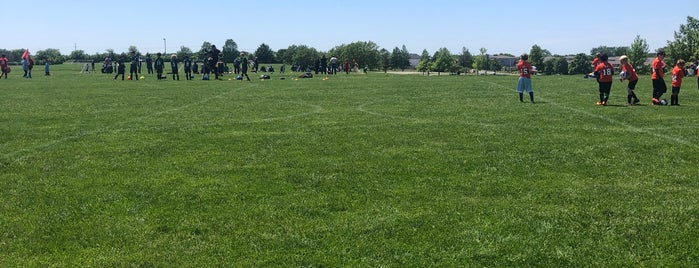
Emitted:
<point x="604" y="73"/>
<point x="212" y="64"/>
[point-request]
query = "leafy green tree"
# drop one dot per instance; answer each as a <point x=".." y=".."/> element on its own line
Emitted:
<point x="184" y="51"/>
<point x="264" y="54"/>
<point x="686" y="43"/>
<point x="51" y="55"/>
<point x="301" y="55"/>
<point x="536" y="56"/>
<point x="133" y="49"/>
<point x="638" y="52"/>
<point x="396" y="58"/>
<point x="560" y="65"/>
<point x="365" y="53"/>
<point x="465" y="59"/>
<point x="494" y="65"/>
<point x="425" y="65"/>
<point x="404" y="58"/>
<point x="16" y="54"/>
<point x="205" y="47"/>
<point x="230" y="50"/>
<point x="386" y="59"/>
<point x="580" y="64"/>
<point x="443" y="61"/>
<point x="78" y="55"/>
<point x="480" y="62"/>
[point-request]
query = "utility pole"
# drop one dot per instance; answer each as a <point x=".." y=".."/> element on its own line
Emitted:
<point x="165" y="44"/>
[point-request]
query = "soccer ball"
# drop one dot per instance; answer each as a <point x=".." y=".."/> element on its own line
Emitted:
<point x="622" y="75"/>
<point x="663" y="102"/>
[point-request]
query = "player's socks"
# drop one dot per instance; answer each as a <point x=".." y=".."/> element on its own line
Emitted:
<point x="531" y="96"/>
<point x="521" y="97"/>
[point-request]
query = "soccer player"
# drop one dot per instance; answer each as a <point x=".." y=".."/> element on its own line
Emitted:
<point x="121" y="67"/>
<point x="605" y="72"/>
<point x="631" y="75"/>
<point x="525" y="80"/>
<point x="133" y="70"/>
<point x="658" y="72"/>
<point x="677" y="74"/>
<point x="159" y="65"/>
<point x="175" y="69"/>
<point x="244" y="66"/>
<point x="149" y="63"/>
<point x="4" y="65"/>
<point x="187" y="67"/>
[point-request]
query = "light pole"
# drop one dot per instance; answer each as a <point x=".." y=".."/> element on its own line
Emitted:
<point x="165" y="44"/>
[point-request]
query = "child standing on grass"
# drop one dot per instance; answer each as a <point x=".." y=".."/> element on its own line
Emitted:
<point x="525" y="80"/>
<point x="658" y="70"/>
<point x="4" y="66"/>
<point x="175" y="68"/>
<point x="121" y="67"/>
<point x="605" y="72"/>
<point x="46" y="68"/>
<point x="187" y="67"/>
<point x="133" y="70"/>
<point x="631" y="75"/>
<point x="159" y="66"/>
<point x="677" y="74"/>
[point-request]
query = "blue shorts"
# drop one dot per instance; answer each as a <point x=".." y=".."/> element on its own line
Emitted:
<point x="524" y="84"/>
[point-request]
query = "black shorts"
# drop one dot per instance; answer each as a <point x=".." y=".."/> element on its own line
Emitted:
<point x="675" y="90"/>
<point x="632" y="84"/>
<point x="659" y="85"/>
<point x="605" y="87"/>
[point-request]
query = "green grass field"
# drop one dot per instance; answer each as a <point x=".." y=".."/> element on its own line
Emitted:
<point x="355" y="171"/>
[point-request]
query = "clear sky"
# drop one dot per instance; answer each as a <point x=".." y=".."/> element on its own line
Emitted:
<point x="562" y="27"/>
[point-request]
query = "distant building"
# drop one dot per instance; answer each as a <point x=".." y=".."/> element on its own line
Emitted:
<point x="507" y="62"/>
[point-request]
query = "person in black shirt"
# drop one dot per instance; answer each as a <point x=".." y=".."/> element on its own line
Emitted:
<point x="121" y="67"/>
<point x="133" y="71"/>
<point x="149" y="63"/>
<point x="175" y="69"/>
<point x="187" y="67"/>
<point x="159" y="66"/>
<point x="244" y="66"/>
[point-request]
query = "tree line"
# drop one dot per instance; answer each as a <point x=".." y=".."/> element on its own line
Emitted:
<point x="368" y="54"/>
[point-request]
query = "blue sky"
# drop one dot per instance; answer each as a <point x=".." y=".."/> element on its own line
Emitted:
<point x="562" y="27"/>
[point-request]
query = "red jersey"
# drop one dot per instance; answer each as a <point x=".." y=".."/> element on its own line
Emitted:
<point x="630" y="72"/>
<point x="657" y="69"/>
<point x="525" y="69"/>
<point x="3" y="63"/>
<point x="605" y="71"/>
<point x="677" y="75"/>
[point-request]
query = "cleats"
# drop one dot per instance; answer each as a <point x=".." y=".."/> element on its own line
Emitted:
<point x="655" y="101"/>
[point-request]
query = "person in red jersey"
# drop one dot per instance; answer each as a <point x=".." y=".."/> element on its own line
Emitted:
<point x="629" y="73"/>
<point x="525" y="79"/>
<point x="605" y="73"/>
<point x="677" y="74"/>
<point x="4" y="66"/>
<point x="658" y="72"/>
